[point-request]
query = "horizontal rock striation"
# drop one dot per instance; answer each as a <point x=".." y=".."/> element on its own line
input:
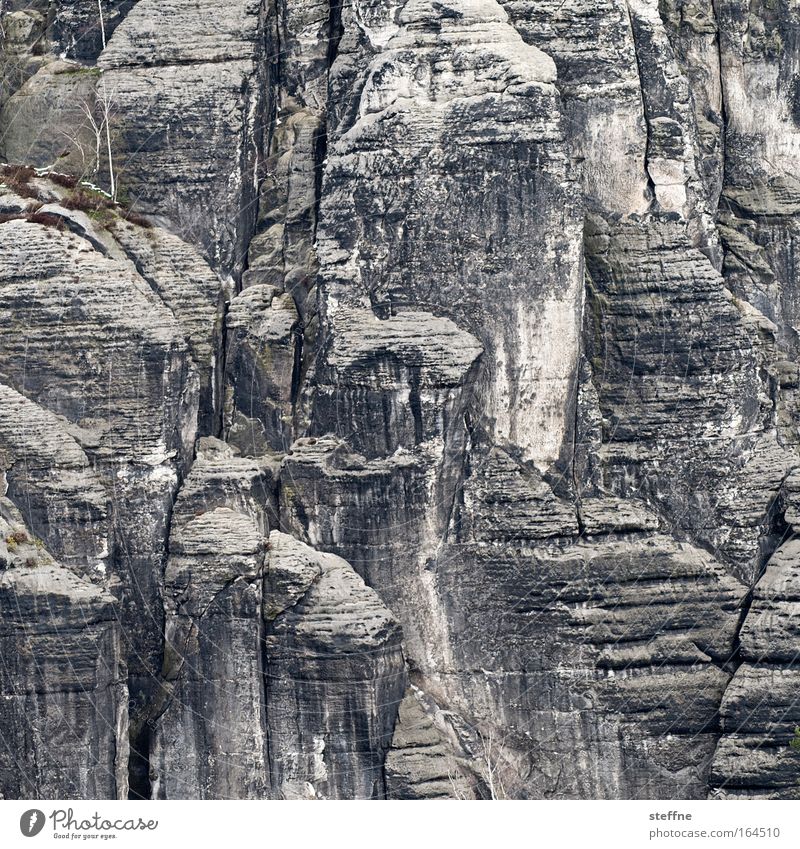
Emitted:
<point x="188" y="104"/>
<point x="63" y="694"/>
<point x="457" y="129"/>
<point x="48" y="475"/>
<point x="335" y="676"/>
<point x="419" y="417"/>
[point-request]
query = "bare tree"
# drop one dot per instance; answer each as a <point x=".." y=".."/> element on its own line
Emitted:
<point x="106" y="104"/>
<point x="491" y="755"/>
<point x="106" y="109"/>
<point x="489" y="765"/>
<point x="102" y="22"/>
<point x="99" y="115"/>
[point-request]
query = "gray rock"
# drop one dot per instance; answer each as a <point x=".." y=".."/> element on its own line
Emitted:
<point x="421" y="764"/>
<point x="261" y="361"/>
<point x="22" y="49"/>
<point x="754" y="758"/>
<point x="456" y="127"/>
<point x="334" y="658"/>
<point x="687" y="411"/>
<point x="213" y="663"/>
<point x="129" y="398"/>
<point x="210" y="741"/>
<point x="46" y="473"/>
<point x="77" y="29"/>
<point x="64" y="725"/>
<point x="196" y="297"/>
<point x="201" y="90"/>
<point x="45" y="122"/>
<point x="465" y="464"/>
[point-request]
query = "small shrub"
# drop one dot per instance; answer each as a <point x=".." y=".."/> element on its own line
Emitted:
<point x="135" y="218"/>
<point x="21" y="189"/>
<point x="87" y="201"/>
<point x="18" y="173"/>
<point x="30" y="562"/>
<point x="795" y="741"/>
<point x="20" y="536"/>
<point x="48" y="219"/>
<point x="64" y="180"/>
<point x="17" y="178"/>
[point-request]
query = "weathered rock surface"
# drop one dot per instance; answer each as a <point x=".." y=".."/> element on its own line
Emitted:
<point x="441" y="439"/>
<point x="421" y="763"/>
<point x="335" y="676"/>
<point x="23" y="49"/>
<point x="63" y="694"/>
<point x="99" y="420"/>
<point x="261" y="361"/>
<point x="759" y="713"/>
<point x="187" y="97"/>
<point x="46" y="473"/>
<point x="457" y="129"/>
<point x="129" y="398"/>
<point x="196" y="297"/>
<point x="210" y="735"/>
<point x="45" y="123"/>
<point x="211" y="741"/>
<point x="688" y="417"/>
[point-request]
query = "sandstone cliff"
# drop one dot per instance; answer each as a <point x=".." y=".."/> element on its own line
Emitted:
<point x="399" y="400"/>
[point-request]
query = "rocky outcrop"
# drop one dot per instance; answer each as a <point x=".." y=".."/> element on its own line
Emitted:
<point x="457" y="128"/>
<point x="47" y="474"/>
<point x="201" y="88"/>
<point x="97" y="473"/>
<point x="212" y="662"/>
<point x="426" y="398"/>
<point x="23" y="49"/>
<point x="335" y="676"/>
<point x="688" y="416"/>
<point x="421" y="763"/>
<point x="288" y="644"/>
<point x="264" y="345"/>
<point x="213" y="632"/>
<point x="81" y="28"/>
<point x="758" y="713"/>
<point x="195" y="296"/>
<point x="129" y="399"/>
<point x="46" y="122"/>
<point x="63" y="696"/>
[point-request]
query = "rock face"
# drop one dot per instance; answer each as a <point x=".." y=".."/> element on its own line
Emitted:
<point x="457" y="128"/>
<point x="333" y="657"/>
<point x="420" y="416"/>
<point x="207" y="112"/>
<point x="212" y="662"/>
<point x="49" y="476"/>
<point x="63" y="697"/>
<point x="261" y="360"/>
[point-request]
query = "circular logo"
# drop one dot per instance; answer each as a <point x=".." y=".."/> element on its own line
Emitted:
<point x="31" y="822"/>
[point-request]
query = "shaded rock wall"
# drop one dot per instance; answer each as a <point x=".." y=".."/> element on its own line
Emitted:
<point x="63" y="695"/>
<point x="424" y="404"/>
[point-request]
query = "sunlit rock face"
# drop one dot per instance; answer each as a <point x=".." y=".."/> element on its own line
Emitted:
<point x="458" y="129"/>
<point x="421" y="418"/>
